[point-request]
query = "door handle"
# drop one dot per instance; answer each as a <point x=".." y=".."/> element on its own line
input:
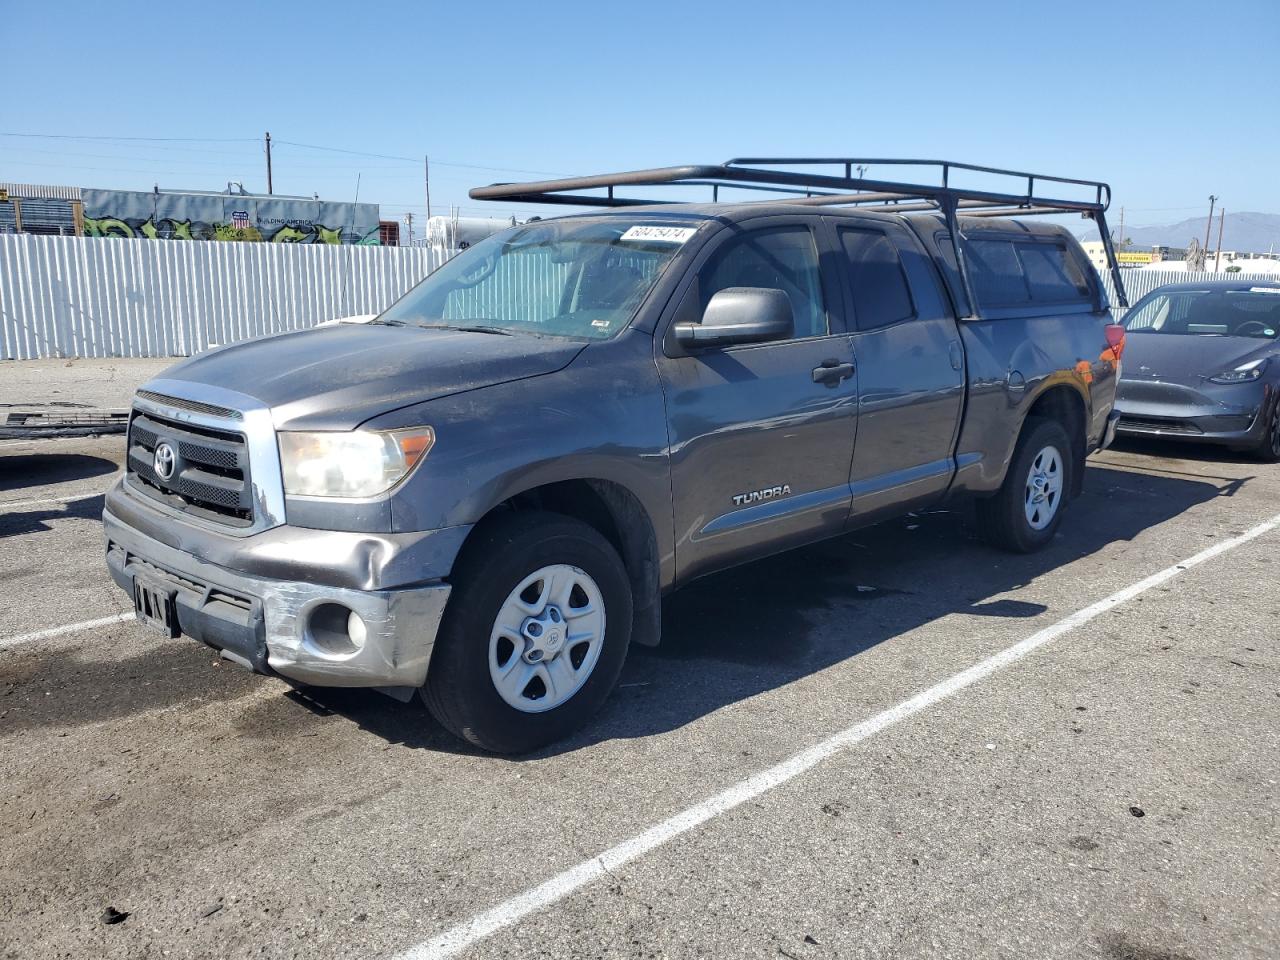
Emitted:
<point x="832" y="372"/>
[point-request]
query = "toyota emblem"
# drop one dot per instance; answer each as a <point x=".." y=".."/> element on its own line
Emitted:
<point x="165" y="460"/>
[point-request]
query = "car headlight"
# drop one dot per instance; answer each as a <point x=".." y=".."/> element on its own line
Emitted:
<point x="1245" y="373"/>
<point x="357" y="463"/>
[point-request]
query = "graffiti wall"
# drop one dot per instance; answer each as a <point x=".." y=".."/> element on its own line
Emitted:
<point x="160" y="215"/>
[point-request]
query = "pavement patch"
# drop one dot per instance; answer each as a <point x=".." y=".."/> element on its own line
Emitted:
<point x="463" y="936"/>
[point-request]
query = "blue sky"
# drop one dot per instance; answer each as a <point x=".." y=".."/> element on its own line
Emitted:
<point x="1168" y="101"/>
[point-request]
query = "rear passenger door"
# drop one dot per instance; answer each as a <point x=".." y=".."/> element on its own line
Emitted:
<point x="910" y="368"/>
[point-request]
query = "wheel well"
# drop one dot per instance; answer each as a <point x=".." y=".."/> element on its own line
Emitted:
<point x="1064" y="405"/>
<point x="617" y="515"/>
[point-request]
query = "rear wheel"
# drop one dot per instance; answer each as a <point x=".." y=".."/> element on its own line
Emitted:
<point x="535" y="634"/>
<point x="1027" y="511"/>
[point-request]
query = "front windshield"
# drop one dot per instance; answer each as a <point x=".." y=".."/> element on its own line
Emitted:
<point x="1250" y="312"/>
<point x="569" y="278"/>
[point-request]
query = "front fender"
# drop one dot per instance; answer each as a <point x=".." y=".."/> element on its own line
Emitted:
<point x="602" y="417"/>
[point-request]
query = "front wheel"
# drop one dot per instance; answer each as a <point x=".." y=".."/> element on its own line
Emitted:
<point x="1027" y="511"/>
<point x="535" y="634"/>
<point x="1268" y="449"/>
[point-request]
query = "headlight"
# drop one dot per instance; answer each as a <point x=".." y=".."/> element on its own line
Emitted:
<point x="1246" y="373"/>
<point x="360" y="463"/>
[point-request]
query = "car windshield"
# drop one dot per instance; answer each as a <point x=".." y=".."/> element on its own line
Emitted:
<point x="568" y="278"/>
<point x="1246" y="312"/>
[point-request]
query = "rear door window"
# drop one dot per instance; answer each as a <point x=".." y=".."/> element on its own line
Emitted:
<point x="881" y="294"/>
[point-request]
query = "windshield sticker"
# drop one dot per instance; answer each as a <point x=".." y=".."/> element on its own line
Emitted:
<point x="660" y="234"/>
<point x="601" y="324"/>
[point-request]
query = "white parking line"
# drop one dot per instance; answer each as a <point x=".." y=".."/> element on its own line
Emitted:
<point x="66" y="628"/>
<point x="7" y="504"/>
<point x="465" y="935"/>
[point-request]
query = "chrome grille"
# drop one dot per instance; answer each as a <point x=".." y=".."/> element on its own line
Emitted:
<point x="210" y="477"/>
<point x="195" y="406"/>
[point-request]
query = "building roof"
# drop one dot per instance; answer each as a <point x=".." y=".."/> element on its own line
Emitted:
<point x="35" y="191"/>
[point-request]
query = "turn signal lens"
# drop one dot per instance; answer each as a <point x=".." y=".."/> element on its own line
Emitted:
<point x="414" y="446"/>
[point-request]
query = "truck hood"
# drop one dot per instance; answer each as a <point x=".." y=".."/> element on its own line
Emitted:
<point x="335" y="378"/>
<point x="1186" y="359"/>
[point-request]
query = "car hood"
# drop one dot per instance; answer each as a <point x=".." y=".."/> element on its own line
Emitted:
<point x="1185" y="359"/>
<point x="335" y="378"/>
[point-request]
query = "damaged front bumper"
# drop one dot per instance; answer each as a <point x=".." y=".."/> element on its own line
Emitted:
<point x="297" y="628"/>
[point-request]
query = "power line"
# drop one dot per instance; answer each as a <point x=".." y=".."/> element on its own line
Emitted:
<point x="134" y="158"/>
<point x="44" y="165"/>
<point x="415" y="160"/>
<point x="292" y="143"/>
<point x="69" y="136"/>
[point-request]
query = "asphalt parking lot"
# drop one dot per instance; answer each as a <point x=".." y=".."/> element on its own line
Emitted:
<point x="1113" y="791"/>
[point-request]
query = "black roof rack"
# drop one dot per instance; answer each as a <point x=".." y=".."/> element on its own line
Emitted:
<point x="840" y="188"/>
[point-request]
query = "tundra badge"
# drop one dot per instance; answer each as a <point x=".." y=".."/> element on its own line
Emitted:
<point x="756" y="496"/>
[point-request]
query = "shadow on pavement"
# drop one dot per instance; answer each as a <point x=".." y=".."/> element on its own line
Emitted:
<point x="28" y="470"/>
<point x="736" y="634"/>
<point x="37" y="516"/>
<point x="728" y="637"/>
<point x="1183" y="450"/>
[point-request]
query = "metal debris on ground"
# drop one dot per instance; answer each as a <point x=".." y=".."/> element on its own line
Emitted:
<point x="34" y="420"/>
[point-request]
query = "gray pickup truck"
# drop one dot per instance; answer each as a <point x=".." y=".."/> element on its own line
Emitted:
<point x="484" y="494"/>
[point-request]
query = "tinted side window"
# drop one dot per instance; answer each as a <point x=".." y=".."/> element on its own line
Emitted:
<point x="1052" y="275"/>
<point x="996" y="273"/>
<point x="881" y="295"/>
<point x="1011" y="273"/>
<point x="784" y="258"/>
<point x="1150" y="316"/>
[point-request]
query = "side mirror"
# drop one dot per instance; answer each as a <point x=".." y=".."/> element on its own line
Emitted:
<point x="740" y="315"/>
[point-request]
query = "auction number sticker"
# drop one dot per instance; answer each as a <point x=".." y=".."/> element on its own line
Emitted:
<point x="660" y="234"/>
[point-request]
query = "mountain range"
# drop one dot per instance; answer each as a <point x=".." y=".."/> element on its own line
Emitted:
<point x="1246" y="232"/>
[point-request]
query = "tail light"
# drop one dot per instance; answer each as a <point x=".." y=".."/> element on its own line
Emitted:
<point x="1115" y="338"/>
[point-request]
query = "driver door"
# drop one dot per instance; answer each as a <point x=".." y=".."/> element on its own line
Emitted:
<point x="761" y="435"/>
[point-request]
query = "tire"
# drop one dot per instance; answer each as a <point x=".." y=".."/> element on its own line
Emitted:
<point x="509" y="569"/>
<point x="1268" y="448"/>
<point x="1009" y="519"/>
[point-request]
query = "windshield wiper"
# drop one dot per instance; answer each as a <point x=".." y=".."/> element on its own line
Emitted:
<point x="480" y="329"/>
<point x="465" y="328"/>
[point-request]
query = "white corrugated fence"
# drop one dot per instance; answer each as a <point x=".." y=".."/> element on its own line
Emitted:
<point x="1138" y="283"/>
<point x="115" y="297"/>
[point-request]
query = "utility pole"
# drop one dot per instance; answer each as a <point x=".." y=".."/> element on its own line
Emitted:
<point x="408" y="223"/>
<point x="1207" y="226"/>
<point x="426" y="183"/>
<point x="1217" y="258"/>
<point x="269" y="190"/>
<point x="1121" y="237"/>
